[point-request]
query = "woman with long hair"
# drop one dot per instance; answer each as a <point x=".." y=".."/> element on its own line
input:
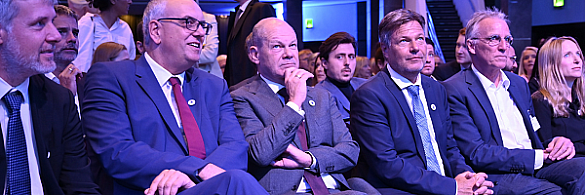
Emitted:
<point x="559" y="104"/>
<point x="110" y="51"/>
<point x="527" y="60"/>
<point x="362" y="68"/>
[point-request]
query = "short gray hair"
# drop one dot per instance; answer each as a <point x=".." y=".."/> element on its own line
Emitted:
<point x="478" y="17"/>
<point x="393" y="20"/>
<point x="8" y="10"/>
<point x="153" y="11"/>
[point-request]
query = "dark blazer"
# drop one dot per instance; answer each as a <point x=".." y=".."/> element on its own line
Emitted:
<point x="444" y="71"/>
<point x="476" y="127"/>
<point x="238" y="66"/>
<point x="131" y="127"/>
<point x="270" y="128"/>
<point x="392" y="154"/>
<point x="340" y="99"/>
<point x="63" y="162"/>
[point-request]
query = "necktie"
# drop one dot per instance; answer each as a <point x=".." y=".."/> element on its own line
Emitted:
<point x="423" y="130"/>
<point x="315" y="181"/>
<point x="190" y="127"/>
<point x="238" y="15"/>
<point x="16" y="156"/>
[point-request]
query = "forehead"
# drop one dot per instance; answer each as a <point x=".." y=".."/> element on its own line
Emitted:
<point x="568" y="45"/>
<point x="34" y="9"/>
<point x="430" y="47"/>
<point x="346" y="48"/>
<point x="280" y="33"/>
<point x="64" y="21"/>
<point x="184" y="8"/>
<point x="411" y="28"/>
<point x="491" y="26"/>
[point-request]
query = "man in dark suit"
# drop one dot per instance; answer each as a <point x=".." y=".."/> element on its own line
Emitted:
<point x="462" y="60"/>
<point x="494" y="123"/>
<point x="298" y="141"/>
<point x="161" y="125"/>
<point x="401" y="120"/>
<point x="338" y="57"/>
<point x="43" y="150"/>
<point x="240" y="24"/>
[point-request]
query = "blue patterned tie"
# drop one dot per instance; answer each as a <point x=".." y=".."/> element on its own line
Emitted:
<point x="423" y="130"/>
<point x="18" y="173"/>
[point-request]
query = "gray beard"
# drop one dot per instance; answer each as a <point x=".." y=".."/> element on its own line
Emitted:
<point x="20" y="64"/>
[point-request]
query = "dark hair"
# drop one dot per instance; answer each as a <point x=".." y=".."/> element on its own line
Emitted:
<point x="333" y="41"/>
<point x="379" y="55"/>
<point x="102" y="5"/>
<point x="393" y="20"/>
<point x="462" y="31"/>
<point x="107" y="52"/>
<point x="139" y="32"/>
<point x="64" y="10"/>
<point x="429" y="41"/>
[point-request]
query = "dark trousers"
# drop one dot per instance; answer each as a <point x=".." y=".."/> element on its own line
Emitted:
<point x="231" y="182"/>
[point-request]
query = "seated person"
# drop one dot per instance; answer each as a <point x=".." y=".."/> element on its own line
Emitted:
<point x="401" y="121"/>
<point x="110" y="52"/>
<point x="298" y="141"/>
<point x="430" y="59"/>
<point x="362" y="68"/>
<point x="559" y="105"/>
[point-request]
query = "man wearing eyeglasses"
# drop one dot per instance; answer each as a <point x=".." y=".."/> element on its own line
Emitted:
<point x="511" y="65"/>
<point x="494" y="124"/>
<point x="158" y="124"/>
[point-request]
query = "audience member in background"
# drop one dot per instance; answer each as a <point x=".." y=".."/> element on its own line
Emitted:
<point x="527" y="61"/>
<point x="318" y="71"/>
<point x="337" y="55"/>
<point x="81" y="7"/>
<point x="95" y="29"/>
<point x="240" y="24"/>
<point x="401" y="121"/>
<point x="362" y="68"/>
<point x="160" y="124"/>
<point x="140" y="40"/>
<point x="462" y="60"/>
<point x="208" y="61"/>
<point x="221" y="60"/>
<point x="304" y="59"/>
<point x="110" y="51"/>
<point x="511" y="64"/>
<point x="42" y="149"/>
<point x="560" y="103"/>
<point x="380" y="62"/>
<point x="298" y="141"/>
<point x="429" y="66"/>
<point x="494" y="124"/>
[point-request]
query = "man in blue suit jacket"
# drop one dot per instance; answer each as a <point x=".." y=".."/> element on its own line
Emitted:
<point x="337" y="54"/>
<point x="135" y="124"/>
<point x="494" y="123"/>
<point x="397" y="150"/>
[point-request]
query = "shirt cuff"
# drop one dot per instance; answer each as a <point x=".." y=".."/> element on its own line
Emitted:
<point x="296" y="108"/>
<point x="538" y="159"/>
<point x="456" y="187"/>
<point x="313" y="161"/>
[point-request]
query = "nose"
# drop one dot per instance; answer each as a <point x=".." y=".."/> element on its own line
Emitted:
<point x="414" y="47"/>
<point x="503" y="45"/>
<point x="288" y="52"/>
<point x="71" y="37"/>
<point x="53" y="35"/>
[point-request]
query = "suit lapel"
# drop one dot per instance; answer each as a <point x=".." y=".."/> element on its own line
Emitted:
<point x="238" y="26"/>
<point x="399" y="96"/>
<point x="264" y="93"/>
<point x="524" y="111"/>
<point x="310" y="118"/>
<point x="147" y="81"/>
<point x="337" y="93"/>
<point x="478" y="91"/>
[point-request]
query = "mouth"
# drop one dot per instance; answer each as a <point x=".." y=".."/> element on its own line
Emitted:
<point x="196" y="45"/>
<point x="415" y="58"/>
<point x="72" y="49"/>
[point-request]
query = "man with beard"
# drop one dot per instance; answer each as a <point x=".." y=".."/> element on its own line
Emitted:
<point x="337" y="54"/>
<point x="65" y="73"/>
<point x="43" y="151"/>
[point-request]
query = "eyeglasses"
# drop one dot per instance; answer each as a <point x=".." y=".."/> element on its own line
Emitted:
<point x="192" y="23"/>
<point x="513" y="58"/>
<point x="497" y="39"/>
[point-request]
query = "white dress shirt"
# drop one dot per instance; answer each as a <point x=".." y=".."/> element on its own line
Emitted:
<point x="54" y="78"/>
<point x="329" y="181"/>
<point x="25" y="115"/>
<point x="93" y="31"/>
<point x="510" y="122"/>
<point x="162" y="76"/>
<point x="403" y="84"/>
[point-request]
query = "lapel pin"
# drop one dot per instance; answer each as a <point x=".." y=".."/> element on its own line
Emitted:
<point x="433" y="107"/>
<point x="311" y="103"/>
<point x="191" y="102"/>
<point x="48" y="154"/>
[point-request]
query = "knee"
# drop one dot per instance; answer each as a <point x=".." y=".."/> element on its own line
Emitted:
<point x="238" y="175"/>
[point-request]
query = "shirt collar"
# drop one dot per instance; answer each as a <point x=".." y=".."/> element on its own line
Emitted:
<point x="50" y="75"/>
<point x="486" y="83"/>
<point x="275" y="87"/>
<point x="6" y="88"/>
<point x="162" y="75"/>
<point x="245" y="5"/>
<point x="401" y="81"/>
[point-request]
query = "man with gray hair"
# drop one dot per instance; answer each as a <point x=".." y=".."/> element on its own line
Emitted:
<point x="43" y="150"/>
<point x="494" y="123"/>
<point x="401" y="120"/>
<point x="158" y="124"/>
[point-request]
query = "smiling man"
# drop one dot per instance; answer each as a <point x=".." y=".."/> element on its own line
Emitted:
<point x="338" y="57"/>
<point x="161" y="126"/>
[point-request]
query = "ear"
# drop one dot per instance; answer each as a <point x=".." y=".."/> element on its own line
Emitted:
<point x="253" y="54"/>
<point x="324" y="63"/>
<point x="154" y="31"/>
<point x="470" y="47"/>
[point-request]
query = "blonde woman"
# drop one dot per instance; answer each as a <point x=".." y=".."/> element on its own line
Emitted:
<point x="362" y="68"/>
<point x="560" y="103"/>
<point x="527" y="62"/>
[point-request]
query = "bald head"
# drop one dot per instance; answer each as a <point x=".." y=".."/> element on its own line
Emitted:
<point x="265" y="28"/>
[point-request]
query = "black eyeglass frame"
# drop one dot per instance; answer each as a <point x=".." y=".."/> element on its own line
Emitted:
<point x="206" y="26"/>
<point x="498" y="38"/>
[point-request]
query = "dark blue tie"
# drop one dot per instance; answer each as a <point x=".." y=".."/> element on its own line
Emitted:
<point x="18" y="173"/>
<point x="423" y="130"/>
